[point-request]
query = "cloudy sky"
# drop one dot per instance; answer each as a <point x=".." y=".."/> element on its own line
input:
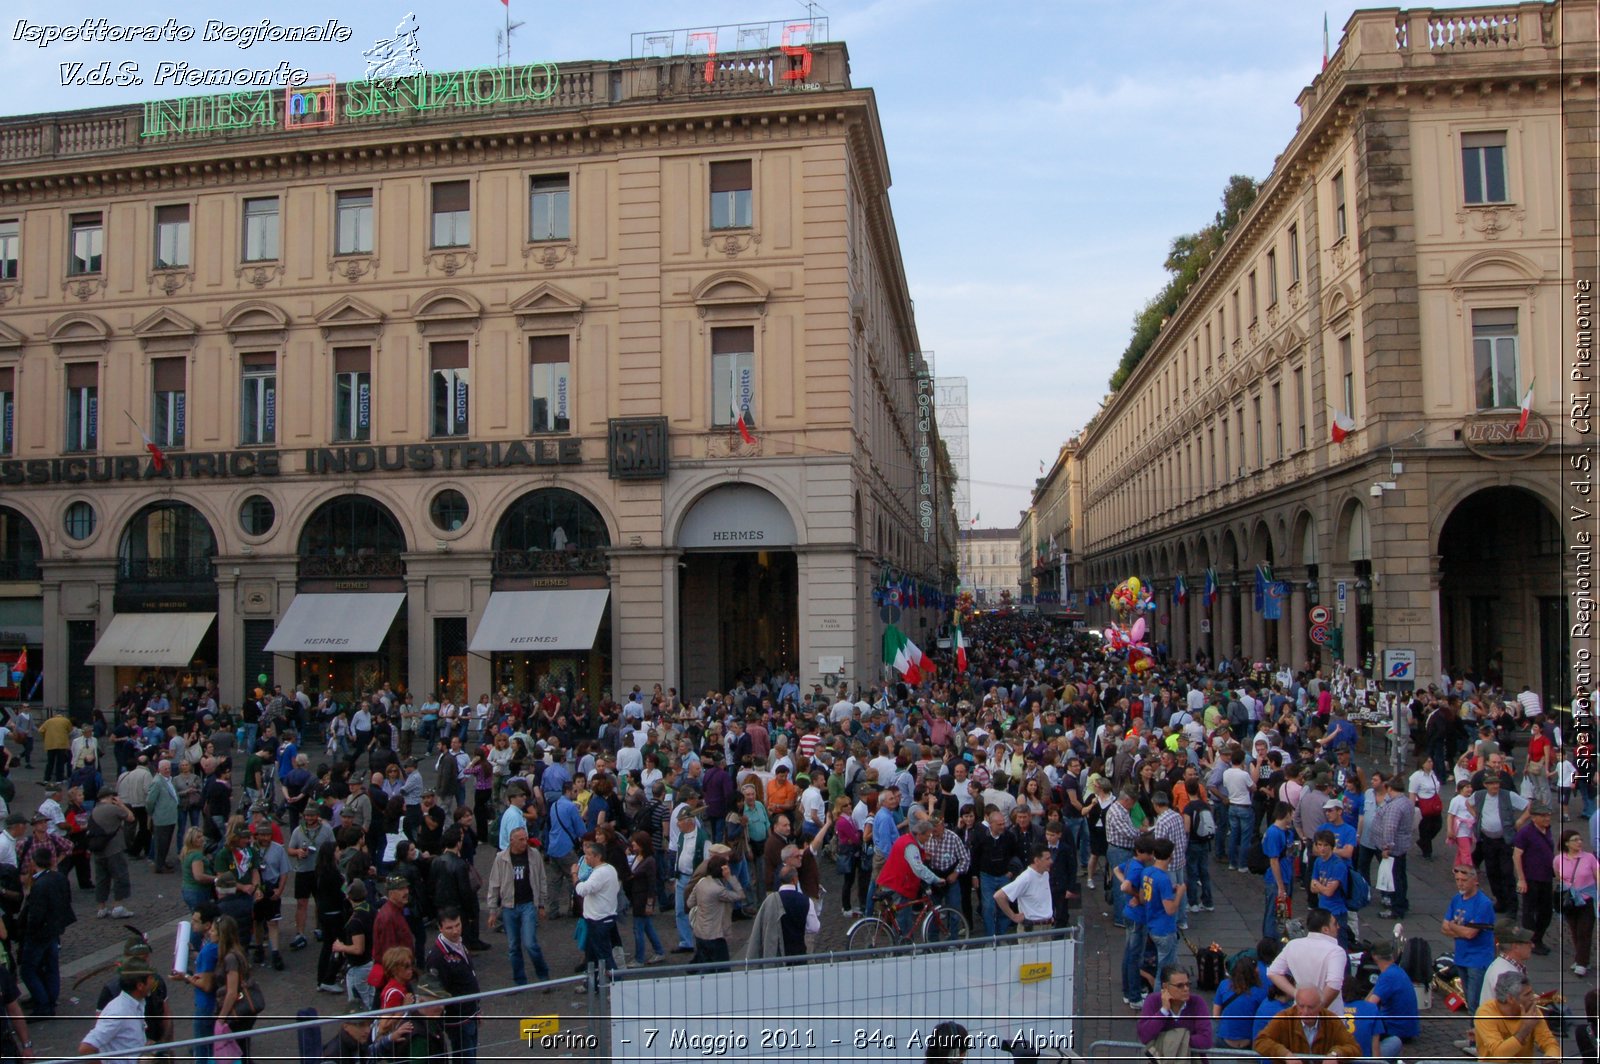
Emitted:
<point x="1043" y="153"/>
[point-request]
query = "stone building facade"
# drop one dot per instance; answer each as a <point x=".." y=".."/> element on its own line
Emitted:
<point x="448" y="375"/>
<point x="1335" y="404"/>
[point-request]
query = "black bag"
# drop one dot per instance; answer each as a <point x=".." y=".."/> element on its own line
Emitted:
<point x="252" y="1002"/>
<point x="1212" y="965"/>
<point x="1416" y="960"/>
<point x="96" y="838"/>
<point x="1256" y="860"/>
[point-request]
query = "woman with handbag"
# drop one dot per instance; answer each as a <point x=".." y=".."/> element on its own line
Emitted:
<point x="1424" y="789"/>
<point x="1576" y="871"/>
<point x="240" y="1000"/>
<point x="848" y="836"/>
<point x="641" y="897"/>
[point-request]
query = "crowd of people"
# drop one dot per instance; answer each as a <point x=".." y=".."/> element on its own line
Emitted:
<point x="1044" y="777"/>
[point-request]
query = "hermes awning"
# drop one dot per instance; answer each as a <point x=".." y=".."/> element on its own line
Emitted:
<point x="335" y="624"/>
<point x="159" y="640"/>
<point x="540" y="620"/>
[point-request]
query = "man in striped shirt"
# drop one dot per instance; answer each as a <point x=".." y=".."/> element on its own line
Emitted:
<point x="1120" y="834"/>
<point x="1169" y="824"/>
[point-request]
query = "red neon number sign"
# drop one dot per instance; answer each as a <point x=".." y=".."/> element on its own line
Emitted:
<point x="710" y="37"/>
<point x="802" y="70"/>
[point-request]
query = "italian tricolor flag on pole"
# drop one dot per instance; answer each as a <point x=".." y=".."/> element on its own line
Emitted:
<point x="961" y="650"/>
<point x="905" y="656"/>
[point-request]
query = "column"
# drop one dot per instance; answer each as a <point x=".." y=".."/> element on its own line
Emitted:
<point x="419" y="636"/>
<point x="1436" y="619"/>
<point x="230" y="636"/>
<point x="1299" y="645"/>
<point x="480" y="667"/>
<point x="641" y="594"/>
<point x="1255" y="629"/>
<point x="1180" y="629"/>
<point x="1350" y="619"/>
<point x="55" y="648"/>
<point x="1224" y="638"/>
<point x="1285" y="623"/>
<point x="828" y="594"/>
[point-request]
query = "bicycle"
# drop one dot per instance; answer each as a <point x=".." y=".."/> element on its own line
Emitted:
<point x="932" y="925"/>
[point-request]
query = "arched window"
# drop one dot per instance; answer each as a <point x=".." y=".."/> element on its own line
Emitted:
<point x="351" y="526"/>
<point x="19" y="547"/>
<point x="550" y="531"/>
<point x="551" y="519"/>
<point x="166" y="541"/>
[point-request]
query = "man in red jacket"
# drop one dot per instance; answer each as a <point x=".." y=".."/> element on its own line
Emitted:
<point x="904" y="871"/>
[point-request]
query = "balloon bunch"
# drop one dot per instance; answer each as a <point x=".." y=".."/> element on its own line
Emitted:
<point x="1130" y="598"/>
<point x="965" y="605"/>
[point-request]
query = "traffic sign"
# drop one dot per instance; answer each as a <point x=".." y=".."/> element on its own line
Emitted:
<point x="1341" y="591"/>
<point x="1320" y="634"/>
<point x="1320" y="615"/>
<point x="1400" y="666"/>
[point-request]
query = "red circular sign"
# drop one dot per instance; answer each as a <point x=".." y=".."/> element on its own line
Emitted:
<point x="1319" y="634"/>
<point x="1320" y="615"/>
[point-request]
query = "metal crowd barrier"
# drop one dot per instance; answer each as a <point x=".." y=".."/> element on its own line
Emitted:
<point x="253" y="1037"/>
<point x="1102" y="1050"/>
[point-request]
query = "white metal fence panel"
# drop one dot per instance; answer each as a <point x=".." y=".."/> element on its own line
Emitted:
<point x="883" y="1007"/>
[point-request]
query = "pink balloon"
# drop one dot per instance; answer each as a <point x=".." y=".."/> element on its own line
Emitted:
<point x="1138" y="630"/>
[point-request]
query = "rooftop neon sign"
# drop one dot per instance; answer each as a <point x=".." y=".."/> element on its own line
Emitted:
<point x="322" y="102"/>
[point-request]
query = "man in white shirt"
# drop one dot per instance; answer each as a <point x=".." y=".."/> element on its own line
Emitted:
<point x="1316" y="961"/>
<point x="600" y="892"/>
<point x="841" y="710"/>
<point x="1196" y="701"/>
<point x="1529" y="701"/>
<point x="118" y="1034"/>
<point x="16" y="827"/>
<point x="1026" y="899"/>
<point x="884" y="764"/>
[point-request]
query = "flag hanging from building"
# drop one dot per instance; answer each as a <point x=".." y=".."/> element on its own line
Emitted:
<point x="1343" y="425"/>
<point x="1180" y="591"/>
<point x="1527" y="409"/>
<point x="1277" y="592"/>
<point x="21" y="664"/>
<point x="1211" y="587"/>
<point x="158" y="458"/>
<point x="1263" y="579"/>
<point x="1324" y="39"/>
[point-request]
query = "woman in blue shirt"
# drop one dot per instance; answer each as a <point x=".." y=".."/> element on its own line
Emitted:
<point x="1238" y="998"/>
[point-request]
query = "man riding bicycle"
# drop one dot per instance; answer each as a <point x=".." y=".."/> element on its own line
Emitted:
<point x="904" y="873"/>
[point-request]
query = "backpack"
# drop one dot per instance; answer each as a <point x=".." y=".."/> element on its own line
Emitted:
<point x="1416" y="960"/>
<point x="1211" y="964"/>
<point x="1357" y="891"/>
<point x="1256" y="860"/>
<point x="96" y="838"/>
<point x="1205" y="825"/>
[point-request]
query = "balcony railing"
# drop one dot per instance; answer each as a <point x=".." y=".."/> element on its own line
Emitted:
<point x="352" y="565"/>
<point x="13" y="569"/>
<point x="164" y="570"/>
<point x="550" y="562"/>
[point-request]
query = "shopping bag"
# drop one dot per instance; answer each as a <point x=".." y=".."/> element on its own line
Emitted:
<point x="1385" y="882"/>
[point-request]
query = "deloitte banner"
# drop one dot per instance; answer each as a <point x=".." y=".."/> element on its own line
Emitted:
<point x="322" y="102"/>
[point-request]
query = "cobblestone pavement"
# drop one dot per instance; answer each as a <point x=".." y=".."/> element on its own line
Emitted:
<point x="1101" y="1014"/>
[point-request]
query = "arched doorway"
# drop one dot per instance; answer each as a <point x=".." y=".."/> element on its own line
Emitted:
<point x="21" y="606"/>
<point x="350" y="596"/>
<point x="550" y="560"/>
<point x="739" y="589"/>
<point x="164" y="581"/>
<point x="1503" y="617"/>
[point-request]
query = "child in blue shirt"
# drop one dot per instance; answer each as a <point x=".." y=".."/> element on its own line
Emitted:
<point x="1275" y="844"/>
<point x="1237" y="1001"/>
<point x="1330" y="880"/>
<point x="1130" y="877"/>
<point x="1395" y="999"/>
<point x="1160" y="900"/>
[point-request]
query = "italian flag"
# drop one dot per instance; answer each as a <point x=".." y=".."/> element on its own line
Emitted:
<point x="905" y="656"/>
<point x="1527" y="409"/>
<point x="1343" y="425"/>
<point x="961" y="650"/>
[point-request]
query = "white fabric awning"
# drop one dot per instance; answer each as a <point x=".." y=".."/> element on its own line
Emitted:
<point x="540" y="620"/>
<point x="161" y="640"/>
<point x="336" y="624"/>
